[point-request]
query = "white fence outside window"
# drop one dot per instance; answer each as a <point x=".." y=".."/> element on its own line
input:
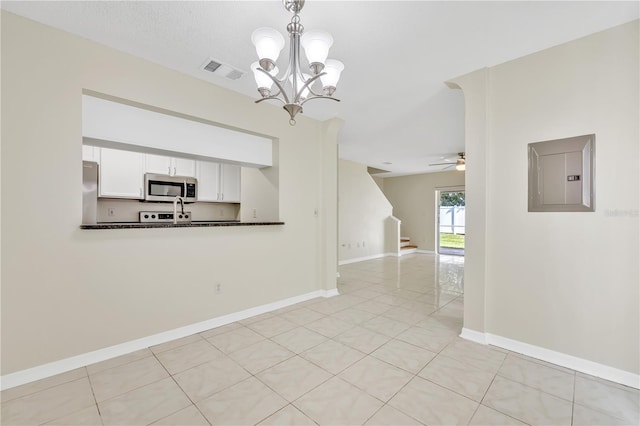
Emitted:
<point x="452" y="220"/>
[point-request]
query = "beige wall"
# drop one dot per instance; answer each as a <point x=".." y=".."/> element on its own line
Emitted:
<point x="363" y="210"/>
<point x="567" y="282"/>
<point x="67" y="291"/>
<point x="414" y="203"/>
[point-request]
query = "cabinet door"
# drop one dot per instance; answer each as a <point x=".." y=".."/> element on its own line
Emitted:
<point x="208" y="175"/>
<point x="157" y="164"/>
<point x="230" y="183"/>
<point x="183" y="167"/>
<point x="90" y="153"/>
<point x="121" y="174"/>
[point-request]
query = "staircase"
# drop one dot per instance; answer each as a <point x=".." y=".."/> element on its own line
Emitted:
<point x="406" y="247"/>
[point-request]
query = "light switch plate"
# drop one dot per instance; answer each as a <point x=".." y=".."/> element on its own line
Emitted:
<point x="561" y="175"/>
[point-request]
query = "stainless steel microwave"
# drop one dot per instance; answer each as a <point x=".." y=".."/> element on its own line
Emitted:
<point x="167" y="188"/>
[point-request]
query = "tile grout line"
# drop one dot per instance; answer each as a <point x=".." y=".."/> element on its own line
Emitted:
<point x="181" y="389"/>
<point x="532" y="387"/>
<point x="414" y="376"/>
<point x="183" y="408"/>
<point x="573" y="398"/>
<point x="43" y="389"/>
<point x="93" y="392"/>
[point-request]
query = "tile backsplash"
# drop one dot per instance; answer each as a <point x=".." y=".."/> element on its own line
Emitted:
<point x="127" y="210"/>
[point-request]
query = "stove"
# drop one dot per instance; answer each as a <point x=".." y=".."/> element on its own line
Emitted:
<point x="166" y="217"/>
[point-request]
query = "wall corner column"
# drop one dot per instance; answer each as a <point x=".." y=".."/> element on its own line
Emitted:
<point x="328" y="204"/>
<point x="476" y="88"/>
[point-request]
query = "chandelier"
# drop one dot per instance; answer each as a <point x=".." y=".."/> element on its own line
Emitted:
<point x="294" y="88"/>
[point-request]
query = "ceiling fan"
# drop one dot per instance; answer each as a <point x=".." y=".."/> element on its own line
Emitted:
<point x="460" y="163"/>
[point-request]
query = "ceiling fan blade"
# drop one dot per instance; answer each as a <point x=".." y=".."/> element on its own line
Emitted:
<point x="458" y="161"/>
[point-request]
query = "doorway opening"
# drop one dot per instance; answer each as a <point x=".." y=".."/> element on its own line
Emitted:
<point x="451" y="229"/>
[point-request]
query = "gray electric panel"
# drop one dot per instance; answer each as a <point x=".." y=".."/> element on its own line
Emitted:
<point x="561" y="175"/>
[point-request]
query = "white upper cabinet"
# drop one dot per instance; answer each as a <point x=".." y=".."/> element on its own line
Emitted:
<point x="90" y="153"/>
<point x="230" y="183"/>
<point x="208" y="175"/>
<point x="184" y="167"/>
<point x="218" y="182"/>
<point x="158" y="164"/>
<point x="169" y="165"/>
<point x="121" y="174"/>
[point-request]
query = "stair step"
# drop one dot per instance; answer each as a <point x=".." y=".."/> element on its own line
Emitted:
<point x="409" y="247"/>
<point x="405" y="239"/>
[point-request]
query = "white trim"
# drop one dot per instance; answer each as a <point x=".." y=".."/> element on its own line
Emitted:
<point x="410" y="251"/>
<point x="582" y="365"/>
<point x="474" y="336"/>
<point x="47" y="370"/>
<point x="456" y="188"/>
<point x="378" y="256"/>
<point x="360" y="259"/>
<point x="330" y="293"/>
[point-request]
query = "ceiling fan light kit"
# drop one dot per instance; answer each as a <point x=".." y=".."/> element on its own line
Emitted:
<point x="294" y="88"/>
<point x="460" y="164"/>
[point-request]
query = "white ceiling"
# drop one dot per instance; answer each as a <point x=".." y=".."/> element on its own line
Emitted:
<point x="397" y="55"/>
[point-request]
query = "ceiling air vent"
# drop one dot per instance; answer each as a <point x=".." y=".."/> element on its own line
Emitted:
<point x="222" y="70"/>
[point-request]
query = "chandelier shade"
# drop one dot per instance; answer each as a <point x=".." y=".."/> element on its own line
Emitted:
<point x="316" y="45"/>
<point x="332" y="70"/>
<point x="268" y="43"/>
<point x="294" y="88"/>
<point x="263" y="81"/>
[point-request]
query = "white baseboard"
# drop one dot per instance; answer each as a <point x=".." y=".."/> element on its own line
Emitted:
<point x="330" y="293"/>
<point x="51" y="369"/>
<point x="378" y="256"/>
<point x="474" y="336"/>
<point x="410" y="251"/>
<point x="582" y="365"/>
<point x="360" y="259"/>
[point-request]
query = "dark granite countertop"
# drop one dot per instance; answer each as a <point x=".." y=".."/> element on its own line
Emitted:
<point x="195" y="224"/>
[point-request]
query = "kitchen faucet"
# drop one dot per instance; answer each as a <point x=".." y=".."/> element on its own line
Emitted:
<point x="175" y="208"/>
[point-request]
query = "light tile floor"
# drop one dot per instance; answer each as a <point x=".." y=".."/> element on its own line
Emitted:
<point x="384" y="352"/>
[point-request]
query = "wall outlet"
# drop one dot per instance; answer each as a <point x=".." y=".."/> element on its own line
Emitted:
<point x="255" y="213"/>
<point x="218" y="288"/>
<point x="111" y="212"/>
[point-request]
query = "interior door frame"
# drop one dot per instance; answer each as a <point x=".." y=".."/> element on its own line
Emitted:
<point x="438" y="190"/>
